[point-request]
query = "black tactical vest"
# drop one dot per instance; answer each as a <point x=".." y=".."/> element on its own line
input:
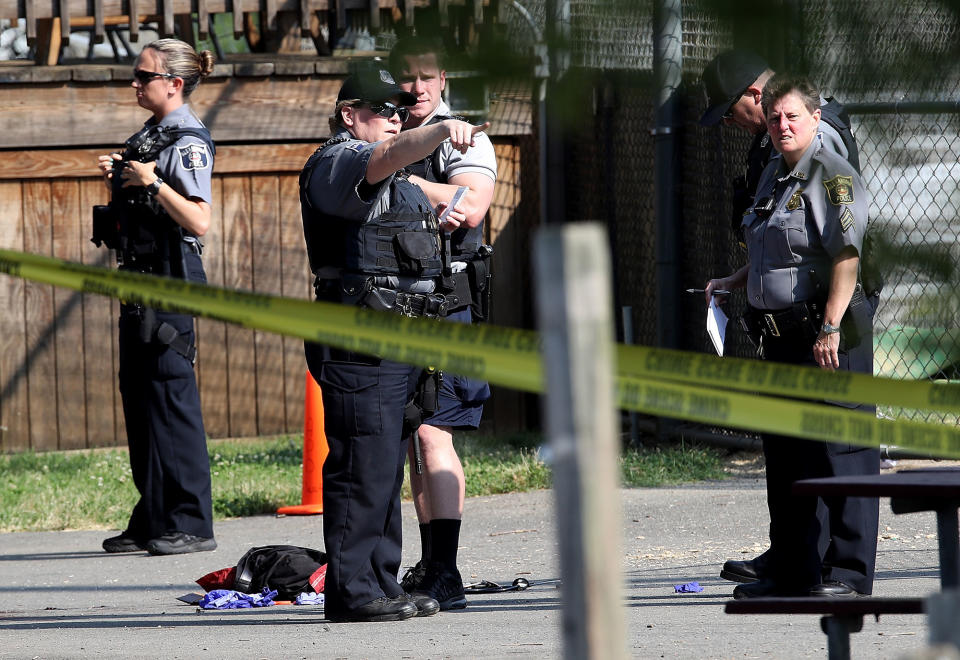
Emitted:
<point x="402" y="241"/>
<point x="464" y="241"/>
<point x="150" y="241"/>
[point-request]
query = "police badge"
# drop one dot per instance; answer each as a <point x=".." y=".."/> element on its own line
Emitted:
<point x="795" y="200"/>
<point x="839" y="189"/>
<point x="194" y="156"/>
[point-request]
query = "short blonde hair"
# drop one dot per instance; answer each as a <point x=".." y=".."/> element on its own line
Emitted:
<point x="336" y="119"/>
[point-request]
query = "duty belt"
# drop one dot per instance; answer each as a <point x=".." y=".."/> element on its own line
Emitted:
<point x="432" y="305"/>
<point x="786" y="322"/>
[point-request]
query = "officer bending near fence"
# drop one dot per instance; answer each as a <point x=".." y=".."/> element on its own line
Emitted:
<point x="436" y="474"/>
<point x="159" y="206"/>
<point x="373" y="240"/>
<point x="804" y="236"/>
<point x="734" y="81"/>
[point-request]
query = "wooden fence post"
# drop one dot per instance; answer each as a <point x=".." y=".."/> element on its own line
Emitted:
<point x="574" y="310"/>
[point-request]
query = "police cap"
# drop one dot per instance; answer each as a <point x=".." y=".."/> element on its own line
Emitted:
<point x="373" y="85"/>
<point x="726" y="78"/>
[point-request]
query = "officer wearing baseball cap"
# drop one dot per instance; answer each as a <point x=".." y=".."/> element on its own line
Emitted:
<point x="373" y="84"/>
<point x="372" y="236"/>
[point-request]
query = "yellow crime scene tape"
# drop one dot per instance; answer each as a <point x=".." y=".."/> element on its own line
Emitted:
<point x="654" y="381"/>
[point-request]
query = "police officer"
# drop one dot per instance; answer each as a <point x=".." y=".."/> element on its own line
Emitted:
<point x="372" y="237"/>
<point x="436" y="474"/>
<point x="734" y="81"/>
<point x="160" y="201"/>
<point x="804" y="237"/>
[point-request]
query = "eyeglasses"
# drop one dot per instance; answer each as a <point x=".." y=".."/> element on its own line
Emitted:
<point x="146" y="76"/>
<point x="387" y="110"/>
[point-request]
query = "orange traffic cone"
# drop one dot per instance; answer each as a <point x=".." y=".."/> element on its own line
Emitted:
<point x="315" y="452"/>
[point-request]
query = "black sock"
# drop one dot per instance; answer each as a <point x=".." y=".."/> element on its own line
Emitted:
<point x="425" y="542"/>
<point x="445" y="533"/>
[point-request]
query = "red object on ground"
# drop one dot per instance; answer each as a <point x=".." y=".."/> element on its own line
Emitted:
<point x="319" y="579"/>
<point x="222" y="579"/>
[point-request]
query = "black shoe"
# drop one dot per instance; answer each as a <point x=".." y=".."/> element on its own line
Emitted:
<point x="123" y="543"/>
<point x="833" y="588"/>
<point x="745" y="571"/>
<point x="757" y="589"/>
<point x="178" y="543"/>
<point x="739" y="571"/>
<point x="426" y="606"/>
<point x="381" y="609"/>
<point x="413" y="578"/>
<point x="444" y="585"/>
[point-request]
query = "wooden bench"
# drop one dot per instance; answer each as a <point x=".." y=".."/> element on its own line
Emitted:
<point x="841" y="616"/>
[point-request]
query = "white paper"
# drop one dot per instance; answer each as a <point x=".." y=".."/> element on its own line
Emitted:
<point x="453" y="202"/>
<point x="716" y="325"/>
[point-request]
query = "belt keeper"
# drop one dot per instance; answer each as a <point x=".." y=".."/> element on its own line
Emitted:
<point x="771" y="325"/>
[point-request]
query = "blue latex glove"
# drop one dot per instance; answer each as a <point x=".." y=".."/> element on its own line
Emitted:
<point x="688" y="588"/>
<point x="307" y="598"/>
<point x="228" y="599"/>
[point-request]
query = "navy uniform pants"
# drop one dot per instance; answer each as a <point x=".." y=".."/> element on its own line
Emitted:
<point x="363" y="404"/>
<point x="840" y="544"/>
<point x="168" y="446"/>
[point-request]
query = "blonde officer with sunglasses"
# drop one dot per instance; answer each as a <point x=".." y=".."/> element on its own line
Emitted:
<point x="372" y="235"/>
<point x="160" y="199"/>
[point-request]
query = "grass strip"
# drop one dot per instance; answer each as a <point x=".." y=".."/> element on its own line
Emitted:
<point x="93" y="489"/>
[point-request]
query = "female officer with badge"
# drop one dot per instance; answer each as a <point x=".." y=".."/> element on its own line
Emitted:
<point x="804" y="237"/>
<point x="160" y="205"/>
<point x="372" y="236"/>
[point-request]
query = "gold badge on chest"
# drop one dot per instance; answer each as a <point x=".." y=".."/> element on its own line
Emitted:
<point x="795" y="200"/>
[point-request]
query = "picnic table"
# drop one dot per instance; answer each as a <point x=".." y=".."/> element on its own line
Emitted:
<point x="927" y="489"/>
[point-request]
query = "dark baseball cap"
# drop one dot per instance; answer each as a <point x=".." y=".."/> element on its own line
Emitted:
<point x="373" y="85"/>
<point x="726" y="78"/>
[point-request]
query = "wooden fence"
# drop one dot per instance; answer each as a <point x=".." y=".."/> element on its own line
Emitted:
<point x="49" y="24"/>
<point x="58" y="348"/>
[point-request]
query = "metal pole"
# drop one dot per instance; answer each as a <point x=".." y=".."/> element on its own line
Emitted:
<point x="668" y="67"/>
<point x="553" y="203"/>
<point x="627" y="316"/>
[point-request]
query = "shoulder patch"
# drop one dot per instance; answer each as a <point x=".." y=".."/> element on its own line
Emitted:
<point x="846" y="219"/>
<point x="795" y="200"/>
<point x="839" y="189"/>
<point x="355" y="146"/>
<point x="194" y="156"/>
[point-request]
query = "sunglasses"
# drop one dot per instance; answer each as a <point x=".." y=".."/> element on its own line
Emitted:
<point x="387" y="110"/>
<point x="146" y="76"/>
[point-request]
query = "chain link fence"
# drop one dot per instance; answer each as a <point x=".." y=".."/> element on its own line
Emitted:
<point x="896" y="67"/>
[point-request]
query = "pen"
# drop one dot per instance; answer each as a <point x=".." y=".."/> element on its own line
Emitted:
<point x="716" y="292"/>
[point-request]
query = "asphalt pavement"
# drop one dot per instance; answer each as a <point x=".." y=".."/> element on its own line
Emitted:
<point x="63" y="597"/>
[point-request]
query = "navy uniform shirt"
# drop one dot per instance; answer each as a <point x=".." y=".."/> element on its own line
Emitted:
<point x="187" y="166"/>
<point x="337" y="185"/>
<point x="818" y="208"/>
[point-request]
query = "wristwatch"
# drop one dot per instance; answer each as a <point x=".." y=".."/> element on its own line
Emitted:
<point x="154" y="188"/>
<point x="828" y="329"/>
